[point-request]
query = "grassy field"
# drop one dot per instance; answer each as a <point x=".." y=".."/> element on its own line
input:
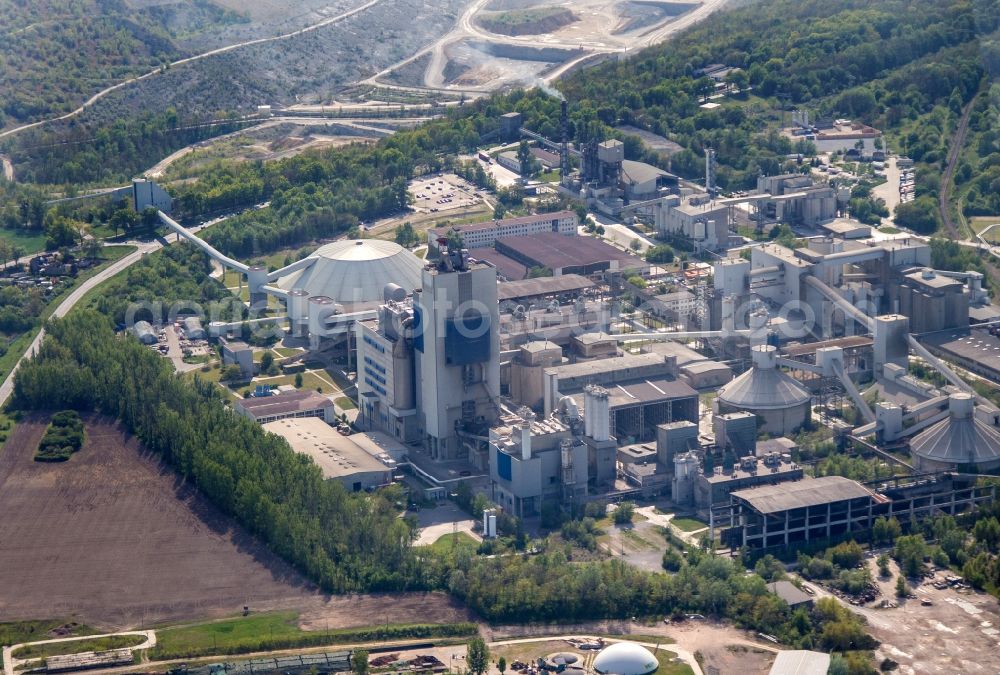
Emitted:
<point x="667" y="665"/>
<point x="30" y="242"/>
<point x="450" y="542"/>
<point x="279" y="630"/>
<point x="689" y="524"/>
<point x="17" y="632"/>
<point x="77" y="646"/>
<point x="17" y="348"/>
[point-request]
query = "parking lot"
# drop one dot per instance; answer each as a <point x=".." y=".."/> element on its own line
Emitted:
<point x="443" y="192"/>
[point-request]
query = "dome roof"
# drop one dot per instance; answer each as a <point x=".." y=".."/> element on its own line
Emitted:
<point x="625" y="658"/>
<point x="961" y="438"/>
<point x="764" y="387"/>
<point x="354" y="271"/>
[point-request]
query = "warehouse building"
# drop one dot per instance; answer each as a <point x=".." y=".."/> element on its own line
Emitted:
<point x="568" y="255"/>
<point x="295" y="404"/>
<point x="347" y="459"/>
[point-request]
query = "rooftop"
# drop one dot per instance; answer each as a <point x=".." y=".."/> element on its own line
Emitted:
<point x="802" y="493"/>
<point x="640" y="172"/>
<point x="556" y="251"/>
<point x="336" y="455"/>
<point x="283" y="404"/>
<point x="760" y="469"/>
<point x="637" y="392"/>
<point x="789" y="592"/>
<point x="975" y="345"/>
<point x="602" y="366"/>
<point x="506" y="267"/>
<point x="800" y="662"/>
<point x="932" y="280"/>
<point x="527" y="288"/>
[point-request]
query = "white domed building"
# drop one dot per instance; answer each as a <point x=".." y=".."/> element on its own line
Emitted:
<point x="354" y="271"/>
<point x="625" y="658"/>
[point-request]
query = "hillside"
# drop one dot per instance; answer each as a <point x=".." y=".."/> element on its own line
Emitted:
<point x="527" y="21"/>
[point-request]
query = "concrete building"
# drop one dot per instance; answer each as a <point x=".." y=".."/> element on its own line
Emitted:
<point x="237" y="352"/>
<point x="346" y="459"/>
<point x="796" y="199"/>
<point x="534" y="461"/>
<point x="483" y="235"/>
<point x="527" y="372"/>
<point x="801" y="511"/>
<point x="387" y="391"/>
<point x="735" y="432"/>
<point x="643" y="181"/>
<point x="457" y="348"/>
<point x="747" y="472"/>
<point x="825" y="509"/>
<point x="932" y="302"/>
<point x="695" y="217"/>
<point x="292" y="405"/>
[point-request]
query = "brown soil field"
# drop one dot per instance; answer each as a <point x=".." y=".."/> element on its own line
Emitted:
<point x="114" y="539"/>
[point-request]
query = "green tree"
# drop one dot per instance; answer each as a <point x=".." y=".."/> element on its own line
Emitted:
<point x="502" y="665"/>
<point x="406" y="236"/>
<point x="901" y="590"/>
<point x="910" y="551"/>
<point x="359" y="662"/>
<point x="477" y="656"/>
<point x="298" y="380"/>
<point x="662" y="254"/>
<point x="624" y="513"/>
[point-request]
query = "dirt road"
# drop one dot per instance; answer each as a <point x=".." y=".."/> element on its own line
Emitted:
<point x="944" y="192"/>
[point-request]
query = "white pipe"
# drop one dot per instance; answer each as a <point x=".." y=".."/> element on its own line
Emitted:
<point x="839" y="300"/>
<point x="201" y="243"/>
<point x="288" y="269"/>
<point x="938" y="364"/>
<point x="275" y="291"/>
<point x="853" y="392"/>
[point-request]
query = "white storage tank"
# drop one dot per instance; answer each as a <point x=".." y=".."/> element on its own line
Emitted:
<point x="625" y="658"/>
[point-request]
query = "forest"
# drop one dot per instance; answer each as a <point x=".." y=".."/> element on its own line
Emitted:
<point x="57" y="53"/>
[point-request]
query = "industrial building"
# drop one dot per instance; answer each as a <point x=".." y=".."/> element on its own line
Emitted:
<point x="429" y="367"/>
<point x="351" y="460"/>
<point x="825" y="509"/>
<point x="482" y="235"/>
<point x="568" y="255"/>
<point x="144" y="332"/>
<point x="532" y="461"/>
<point x="290" y="405"/>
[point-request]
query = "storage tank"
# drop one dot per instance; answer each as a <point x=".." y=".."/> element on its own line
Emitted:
<point x="781" y="404"/>
<point x="298" y="311"/>
<point x="625" y="658"/>
<point x="964" y="439"/>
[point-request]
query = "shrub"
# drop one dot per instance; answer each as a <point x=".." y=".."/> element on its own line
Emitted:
<point x="63" y="437"/>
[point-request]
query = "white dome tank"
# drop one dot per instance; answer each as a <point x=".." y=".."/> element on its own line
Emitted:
<point x="625" y="658"/>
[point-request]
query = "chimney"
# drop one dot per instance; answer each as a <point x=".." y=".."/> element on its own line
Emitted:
<point x="525" y="427"/>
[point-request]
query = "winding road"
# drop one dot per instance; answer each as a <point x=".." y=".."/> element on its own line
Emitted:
<point x="190" y="59"/>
